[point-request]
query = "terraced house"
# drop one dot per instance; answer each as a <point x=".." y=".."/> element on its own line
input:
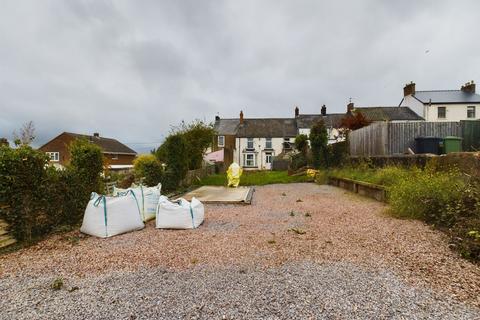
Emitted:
<point x="253" y="142"/>
<point x="443" y="105"/>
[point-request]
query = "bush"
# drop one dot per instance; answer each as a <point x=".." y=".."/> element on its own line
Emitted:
<point x="301" y="144"/>
<point x="426" y="195"/>
<point x="24" y="191"/>
<point x="177" y="162"/>
<point x="147" y="166"/>
<point x="299" y="160"/>
<point x="319" y="141"/>
<point x="35" y="199"/>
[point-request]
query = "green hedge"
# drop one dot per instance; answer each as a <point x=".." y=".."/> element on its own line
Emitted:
<point x="36" y="199"/>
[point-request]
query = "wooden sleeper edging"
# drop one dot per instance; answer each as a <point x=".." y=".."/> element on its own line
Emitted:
<point x="366" y="189"/>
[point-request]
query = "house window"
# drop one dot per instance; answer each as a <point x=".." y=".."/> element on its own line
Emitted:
<point x="114" y="156"/>
<point x="268" y="157"/>
<point x="471" y="112"/>
<point x="54" y="156"/>
<point x="286" y="143"/>
<point x="442" y="112"/>
<point x="250" y="143"/>
<point x="221" y="141"/>
<point x="268" y="143"/>
<point x="249" y="160"/>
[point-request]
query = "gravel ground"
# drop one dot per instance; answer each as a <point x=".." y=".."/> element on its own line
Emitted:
<point x="300" y="250"/>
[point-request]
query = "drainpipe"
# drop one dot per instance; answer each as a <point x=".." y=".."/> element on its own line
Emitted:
<point x="239" y="151"/>
<point x="261" y="156"/>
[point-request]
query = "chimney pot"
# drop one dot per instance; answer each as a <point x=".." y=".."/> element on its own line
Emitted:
<point x="241" y="117"/>
<point x="297" y="112"/>
<point x="469" y="87"/>
<point x="324" y="110"/>
<point x="409" y="89"/>
<point x="350" y="107"/>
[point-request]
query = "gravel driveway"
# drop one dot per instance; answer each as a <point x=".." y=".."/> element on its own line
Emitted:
<point x="299" y="251"/>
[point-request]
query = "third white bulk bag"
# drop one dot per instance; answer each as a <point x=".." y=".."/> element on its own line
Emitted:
<point x="147" y="199"/>
<point x="180" y="214"/>
<point x="108" y="216"/>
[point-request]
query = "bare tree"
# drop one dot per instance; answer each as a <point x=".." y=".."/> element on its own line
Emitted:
<point x="26" y="134"/>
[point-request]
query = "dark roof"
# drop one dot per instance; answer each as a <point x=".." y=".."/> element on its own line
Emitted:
<point x="269" y="128"/>
<point x="227" y="127"/>
<point x="256" y="128"/>
<point x="108" y="145"/>
<point x="446" y="96"/>
<point x="332" y="120"/>
<point x="388" y="113"/>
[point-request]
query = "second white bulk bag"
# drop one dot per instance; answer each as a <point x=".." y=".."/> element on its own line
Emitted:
<point x="108" y="216"/>
<point x="147" y="199"/>
<point x="180" y="214"/>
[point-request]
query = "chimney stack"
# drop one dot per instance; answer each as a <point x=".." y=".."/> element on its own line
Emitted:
<point x="297" y="112"/>
<point x="96" y="135"/>
<point x="4" y="142"/>
<point x="350" y="107"/>
<point x="241" y="117"/>
<point x="409" y="89"/>
<point x="468" y="87"/>
<point x="323" y="110"/>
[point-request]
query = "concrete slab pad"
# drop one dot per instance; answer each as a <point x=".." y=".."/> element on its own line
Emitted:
<point x="221" y="195"/>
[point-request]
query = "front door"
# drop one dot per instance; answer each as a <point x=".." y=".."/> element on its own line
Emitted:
<point x="268" y="160"/>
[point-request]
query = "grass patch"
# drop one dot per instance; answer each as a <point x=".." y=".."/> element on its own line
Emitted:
<point x="254" y="178"/>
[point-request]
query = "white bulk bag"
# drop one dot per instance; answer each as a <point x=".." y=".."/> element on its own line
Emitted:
<point x="109" y="216"/>
<point x="180" y="214"/>
<point x="147" y="199"/>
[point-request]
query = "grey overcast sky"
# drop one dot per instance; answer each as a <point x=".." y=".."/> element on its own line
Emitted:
<point x="131" y="69"/>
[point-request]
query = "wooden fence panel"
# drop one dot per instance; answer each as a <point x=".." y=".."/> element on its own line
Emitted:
<point x="471" y="135"/>
<point x="388" y="138"/>
<point x="369" y="141"/>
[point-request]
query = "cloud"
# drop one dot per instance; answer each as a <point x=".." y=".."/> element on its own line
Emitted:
<point x="131" y="69"/>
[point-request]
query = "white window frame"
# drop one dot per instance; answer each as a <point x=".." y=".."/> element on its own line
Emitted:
<point x="438" y="112"/>
<point x="268" y="143"/>
<point x="250" y="140"/>
<point x="471" y="109"/>
<point x="114" y="156"/>
<point x="268" y="157"/>
<point x="54" y="156"/>
<point x="246" y="160"/>
<point x="221" y="141"/>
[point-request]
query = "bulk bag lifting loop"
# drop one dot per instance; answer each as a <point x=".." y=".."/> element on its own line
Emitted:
<point x="180" y="214"/>
<point x="149" y="199"/>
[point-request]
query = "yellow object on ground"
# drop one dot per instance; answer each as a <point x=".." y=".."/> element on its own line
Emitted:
<point x="312" y="172"/>
<point x="234" y="173"/>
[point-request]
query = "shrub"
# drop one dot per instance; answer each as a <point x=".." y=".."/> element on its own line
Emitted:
<point x="87" y="162"/>
<point x="319" y="141"/>
<point x="177" y="161"/>
<point x="298" y="161"/>
<point x="24" y="191"/>
<point x="426" y="195"/>
<point x="36" y="199"/>
<point x="147" y="166"/>
<point x="301" y="143"/>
